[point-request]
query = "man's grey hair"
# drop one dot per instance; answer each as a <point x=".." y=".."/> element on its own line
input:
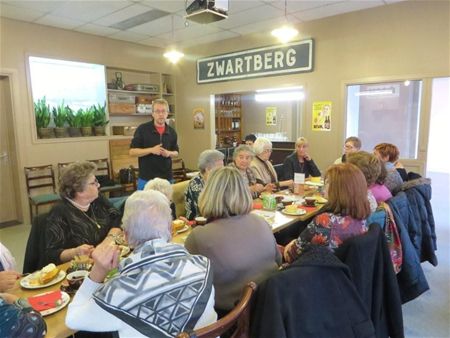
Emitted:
<point x="261" y="144"/>
<point x="161" y="185"/>
<point x="147" y="216"/>
<point x="208" y="159"/>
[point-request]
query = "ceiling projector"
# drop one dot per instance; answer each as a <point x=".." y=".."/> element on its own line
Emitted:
<point x="206" y="11"/>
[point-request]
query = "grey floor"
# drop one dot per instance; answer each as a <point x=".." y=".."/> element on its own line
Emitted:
<point x="427" y="316"/>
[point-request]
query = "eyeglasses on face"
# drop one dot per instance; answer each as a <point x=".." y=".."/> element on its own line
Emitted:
<point x="95" y="182"/>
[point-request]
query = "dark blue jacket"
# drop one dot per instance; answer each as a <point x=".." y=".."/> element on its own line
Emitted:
<point x="421" y="226"/>
<point x="411" y="279"/>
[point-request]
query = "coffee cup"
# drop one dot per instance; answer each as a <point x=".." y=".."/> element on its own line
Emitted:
<point x="200" y="220"/>
<point x="310" y="201"/>
<point x="76" y="278"/>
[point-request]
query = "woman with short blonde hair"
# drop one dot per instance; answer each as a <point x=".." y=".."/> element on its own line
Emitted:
<point x="300" y="161"/>
<point x="344" y="215"/>
<point x="240" y="245"/>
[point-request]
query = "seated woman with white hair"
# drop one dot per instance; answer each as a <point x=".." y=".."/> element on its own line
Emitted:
<point x="263" y="169"/>
<point x="207" y="162"/>
<point x="156" y="278"/>
<point x="163" y="186"/>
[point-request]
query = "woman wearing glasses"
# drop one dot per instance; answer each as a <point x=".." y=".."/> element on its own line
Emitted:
<point x="352" y="144"/>
<point x="263" y="169"/>
<point x="82" y="219"/>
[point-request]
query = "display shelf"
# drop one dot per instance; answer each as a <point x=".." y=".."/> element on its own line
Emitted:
<point x="228" y="119"/>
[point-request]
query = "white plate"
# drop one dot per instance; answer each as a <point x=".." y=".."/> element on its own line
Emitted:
<point x="65" y="299"/>
<point x="316" y="184"/>
<point x="25" y="282"/>
<point x="297" y="213"/>
<point x="183" y="229"/>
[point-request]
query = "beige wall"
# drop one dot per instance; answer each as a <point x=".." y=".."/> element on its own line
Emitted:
<point x="404" y="40"/>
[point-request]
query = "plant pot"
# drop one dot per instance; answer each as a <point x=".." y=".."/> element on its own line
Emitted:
<point x="46" y="133"/>
<point x="74" y="132"/>
<point x="86" y="131"/>
<point x="100" y="130"/>
<point x="60" y="132"/>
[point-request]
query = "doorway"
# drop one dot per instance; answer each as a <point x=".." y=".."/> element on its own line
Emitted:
<point x="9" y="181"/>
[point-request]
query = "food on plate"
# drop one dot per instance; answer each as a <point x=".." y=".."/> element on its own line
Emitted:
<point x="177" y="225"/>
<point x="291" y="208"/>
<point x="321" y="200"/>
<point x="47" y="273"/>
<point x="82" y="262"/>
<point x="315" y="179"/>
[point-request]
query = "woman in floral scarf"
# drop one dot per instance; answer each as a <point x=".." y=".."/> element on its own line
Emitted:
<point x="345" y="213"/>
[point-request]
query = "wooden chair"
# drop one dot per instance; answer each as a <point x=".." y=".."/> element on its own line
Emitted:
<point x="239" y="315"/>
<point x="178" y="190"/>
<point x="178" y="170"/>
<point x="104" y="171"/>
<point x="41" y="187"/>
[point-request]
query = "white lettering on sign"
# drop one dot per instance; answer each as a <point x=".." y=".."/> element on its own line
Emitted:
<point x="252" y="63"/>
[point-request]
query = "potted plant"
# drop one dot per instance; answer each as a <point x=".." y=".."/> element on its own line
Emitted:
<point x="60" y="118"/>
<point x="43" y="117"/>
<point x="74" y="121"/>
<point x="100" y="120"/>
<point x="87" y="119"/>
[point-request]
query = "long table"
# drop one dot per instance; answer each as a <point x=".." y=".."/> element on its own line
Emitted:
<point x="56" y="327"/>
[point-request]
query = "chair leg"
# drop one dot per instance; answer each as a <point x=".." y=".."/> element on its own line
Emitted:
<point x="31" y="213"/>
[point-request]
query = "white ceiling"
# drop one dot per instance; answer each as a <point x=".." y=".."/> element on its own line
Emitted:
<point x="244" y="17"/>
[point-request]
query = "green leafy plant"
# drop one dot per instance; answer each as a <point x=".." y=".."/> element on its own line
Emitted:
<point x="42" y="113"/>
<point x="74" y="119"/>
<point x="99" y="115"/>
<point x="87" y="118"/>
<point x="60" y="114"/>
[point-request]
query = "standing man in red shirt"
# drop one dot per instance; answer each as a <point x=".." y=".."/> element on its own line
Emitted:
<point x="155" y="143"/>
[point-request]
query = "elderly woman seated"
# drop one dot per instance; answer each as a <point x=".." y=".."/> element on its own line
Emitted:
<point x="163" y="186"/>
<point x="375" y="174"/>
<point x="242" y="157"/>
<point x="160" y="289"/>
<point x="344" y="215"/>
<point x="352" y="144"/>
<point x="388" y="154"/>
<point x="82" y="219"/>
<point x="300" y="161"/>
<point x="263" y="169"/>
<point x="207" y="161"/>
<point x="239" y="244"/>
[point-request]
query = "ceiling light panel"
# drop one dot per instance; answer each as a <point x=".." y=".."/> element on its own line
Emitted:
<point x="140" y="19"/>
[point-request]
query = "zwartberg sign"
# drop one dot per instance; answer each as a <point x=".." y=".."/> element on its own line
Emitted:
<point x="290" y="58"/>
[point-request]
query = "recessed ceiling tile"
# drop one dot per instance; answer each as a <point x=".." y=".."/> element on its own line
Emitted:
<point x="96" y="29"/>
<point x="239" y="6"/>
<point x="122" y="14"/>
<point x="18" y="13"/>
<point x="219" y="36"/>
<point x="89" y="10"/>
<point x="162" y="25"/>
<point x="171" y="6"/>
<point x="59" y="21"/>
<point x="41" y="6"/>
<point x="128" y="36"/>
<point x="255" y="14"/>
<point x="392" y="1"/>
<point x="295" y="6"/>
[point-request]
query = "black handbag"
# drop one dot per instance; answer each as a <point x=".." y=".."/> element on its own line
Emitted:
<point x="126" y="175"/>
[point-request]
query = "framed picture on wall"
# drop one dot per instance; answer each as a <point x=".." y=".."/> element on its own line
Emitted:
<point x="199" y="118"/>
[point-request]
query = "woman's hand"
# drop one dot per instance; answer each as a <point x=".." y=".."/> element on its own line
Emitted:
<point x="306" y="157"/>
<point x="289" y="253"/>
<point x="9" y="298"/>
<point x="8" y="279"/>
<point x="84" y="249"/>
<point x="106" y="258"/>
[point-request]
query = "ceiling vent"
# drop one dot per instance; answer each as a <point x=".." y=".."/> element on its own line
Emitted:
<point x="206" y="11"/>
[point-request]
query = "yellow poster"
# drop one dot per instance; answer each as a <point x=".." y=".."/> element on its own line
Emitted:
<point x="271" y="116"/>
<point x="321" y="116"/>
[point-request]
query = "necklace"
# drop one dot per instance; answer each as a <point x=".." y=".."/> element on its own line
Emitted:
<point x="84" y="212"/>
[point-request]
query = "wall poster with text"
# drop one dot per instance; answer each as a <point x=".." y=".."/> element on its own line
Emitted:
<point x="321" y="116"/>
<point x="271" y="116"/>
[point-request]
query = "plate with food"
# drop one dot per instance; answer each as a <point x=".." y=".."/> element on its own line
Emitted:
<point x="49" y="302"/>
<point x="321" y="200"/>
<point x="293" y="210"/>
<point x="82" y="262"/>
<point x="48" y="275"/>
<point x="183" y="229"/>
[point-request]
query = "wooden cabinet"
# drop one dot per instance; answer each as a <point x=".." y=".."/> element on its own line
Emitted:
<point x="130" y="97"/>
<point x="228" y="119"/>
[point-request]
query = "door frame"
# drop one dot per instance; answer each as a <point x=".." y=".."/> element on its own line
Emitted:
<point x="19" y="180"/>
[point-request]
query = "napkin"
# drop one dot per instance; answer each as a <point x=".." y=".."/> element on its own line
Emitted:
<point x="45" y="301"/>
<point x="307" y="209"/>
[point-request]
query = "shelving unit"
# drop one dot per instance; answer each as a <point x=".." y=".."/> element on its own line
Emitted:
<point x="128" y="108"/>
<point x="228" y="119"/>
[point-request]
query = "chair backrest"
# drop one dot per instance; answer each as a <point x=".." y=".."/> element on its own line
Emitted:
<point x="239" y="315"/>
<point x="178" y="190"/>
<point x="61" y="166"/>
<point x="178" y="170"/>
<point x="35" y="257"/>
<point x="103" y="167"/>
<point x="279" y="170"/>
<point x="40" y="178"/>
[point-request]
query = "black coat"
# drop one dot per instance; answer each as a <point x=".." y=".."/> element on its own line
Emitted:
<point x="411" y="278"/>
<point x="314" y="297"/>
<point x="292" y="166"/>
<point x="369" y="260"/>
